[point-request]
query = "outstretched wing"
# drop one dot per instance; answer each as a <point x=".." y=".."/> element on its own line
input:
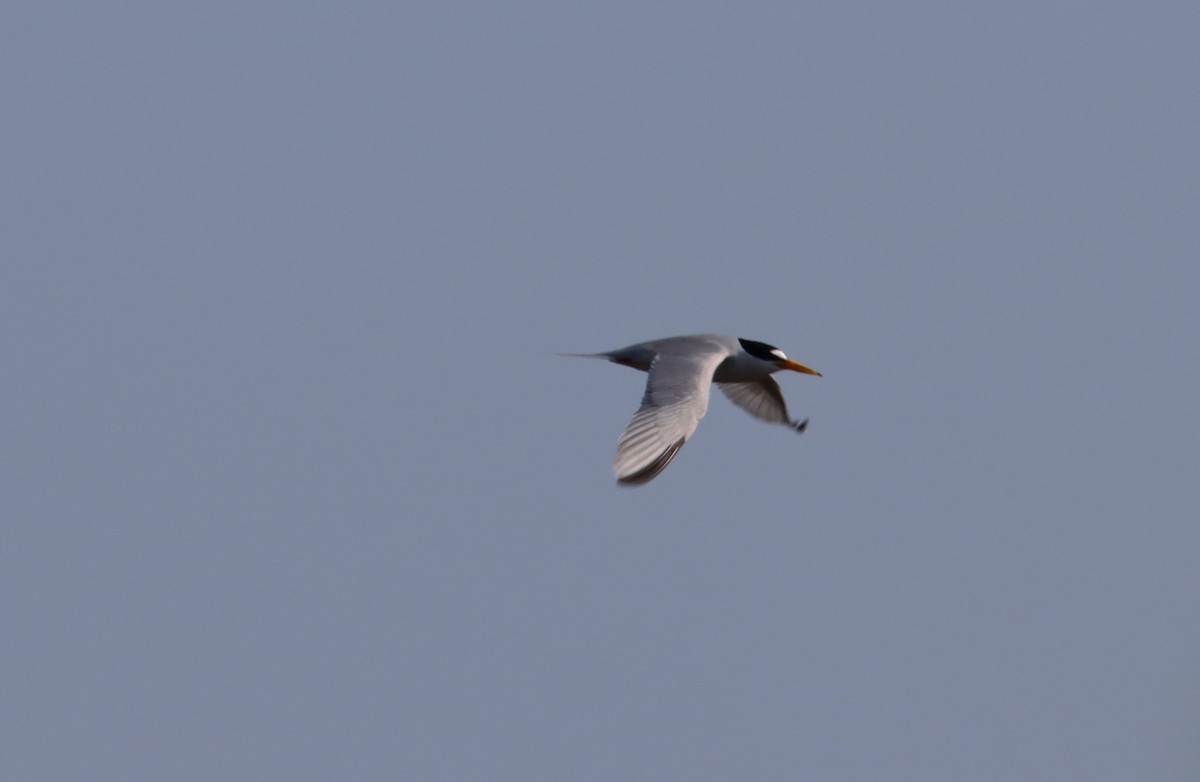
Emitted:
<point x="675" y="400"/>
<point x="762" y="399"/>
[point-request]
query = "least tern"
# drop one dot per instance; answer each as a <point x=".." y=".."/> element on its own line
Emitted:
<point x="681" y="370"/>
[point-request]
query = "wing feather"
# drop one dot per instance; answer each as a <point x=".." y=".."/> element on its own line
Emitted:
<point x="762" y="399"/>
<point x="675" y="400"/>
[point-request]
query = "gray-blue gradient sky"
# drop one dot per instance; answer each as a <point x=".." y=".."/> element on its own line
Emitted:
<point x="294" y="488"/>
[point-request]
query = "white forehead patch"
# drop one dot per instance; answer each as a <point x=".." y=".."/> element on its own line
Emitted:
<point x="777" y="353"/>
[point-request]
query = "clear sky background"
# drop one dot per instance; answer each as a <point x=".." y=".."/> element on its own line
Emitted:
<point x="294" y="487"/>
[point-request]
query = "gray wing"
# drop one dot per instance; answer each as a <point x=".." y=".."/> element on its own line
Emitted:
<point x="762" y="399"/>
<point x="675" y="400"/>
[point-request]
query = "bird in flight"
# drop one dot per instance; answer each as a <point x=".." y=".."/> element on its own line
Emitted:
<point x="681" y="371"/>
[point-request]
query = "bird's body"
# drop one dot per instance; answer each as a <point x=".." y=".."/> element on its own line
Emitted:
<point x="682" y="369"/>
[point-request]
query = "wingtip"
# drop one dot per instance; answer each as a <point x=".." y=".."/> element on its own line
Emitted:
<point x="650" y="471"/>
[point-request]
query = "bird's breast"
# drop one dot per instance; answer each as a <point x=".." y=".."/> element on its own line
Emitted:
<point x="732" y="370"/>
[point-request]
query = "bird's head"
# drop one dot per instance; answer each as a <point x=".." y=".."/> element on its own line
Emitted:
<point x="773" y="355"/>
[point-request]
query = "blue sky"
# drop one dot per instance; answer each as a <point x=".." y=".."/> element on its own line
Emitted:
<point x="296" y="488"/>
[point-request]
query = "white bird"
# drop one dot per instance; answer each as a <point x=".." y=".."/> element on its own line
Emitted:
<point x="676" y="398"/>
